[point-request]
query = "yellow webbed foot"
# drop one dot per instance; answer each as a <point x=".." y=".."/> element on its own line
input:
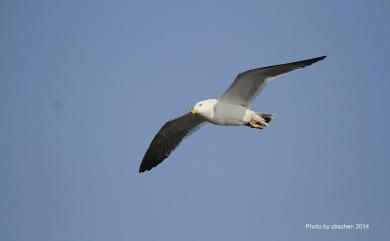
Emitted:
<point x="254" y="124"/>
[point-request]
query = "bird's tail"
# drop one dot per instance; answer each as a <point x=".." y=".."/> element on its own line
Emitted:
<point x="268" y="117"/>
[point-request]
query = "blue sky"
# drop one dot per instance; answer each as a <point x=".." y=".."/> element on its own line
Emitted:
<point x="85" y="85"/>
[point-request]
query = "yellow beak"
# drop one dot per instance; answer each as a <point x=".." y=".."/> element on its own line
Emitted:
<point x="194" y="111"/>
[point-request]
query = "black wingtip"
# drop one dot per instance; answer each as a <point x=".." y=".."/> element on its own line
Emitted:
<point x="308" y="62"/>
<point x="314" y="60"/>
<point x="321" y="58"/>
<point x="142" y="169"/>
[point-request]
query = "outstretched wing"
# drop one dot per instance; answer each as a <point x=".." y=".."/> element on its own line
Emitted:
<point x="168" y="138"/>
<point x="248" y="85"/>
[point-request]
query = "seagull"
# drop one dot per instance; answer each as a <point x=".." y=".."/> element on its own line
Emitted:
<point x="231" y="109"/>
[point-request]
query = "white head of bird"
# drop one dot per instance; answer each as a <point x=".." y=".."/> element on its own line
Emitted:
<point x="205" y="108"/>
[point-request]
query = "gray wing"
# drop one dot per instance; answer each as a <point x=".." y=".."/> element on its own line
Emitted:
<point x="168" y="138"/>
<point x="248" y="85"/>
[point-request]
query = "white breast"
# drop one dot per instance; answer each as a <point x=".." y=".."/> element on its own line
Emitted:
<point x="230" y="114"/>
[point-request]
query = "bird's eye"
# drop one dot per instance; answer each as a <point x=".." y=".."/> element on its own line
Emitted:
<point x="200" y="104"/>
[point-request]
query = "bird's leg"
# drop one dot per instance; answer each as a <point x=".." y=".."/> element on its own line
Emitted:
<point x="255" y="124"/>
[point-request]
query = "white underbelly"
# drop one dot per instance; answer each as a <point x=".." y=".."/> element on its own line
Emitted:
<point x="225" y="122"/>
<point x="231" y="115"/>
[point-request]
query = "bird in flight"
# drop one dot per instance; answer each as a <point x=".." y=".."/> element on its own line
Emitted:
<point x="231" y="109"/>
